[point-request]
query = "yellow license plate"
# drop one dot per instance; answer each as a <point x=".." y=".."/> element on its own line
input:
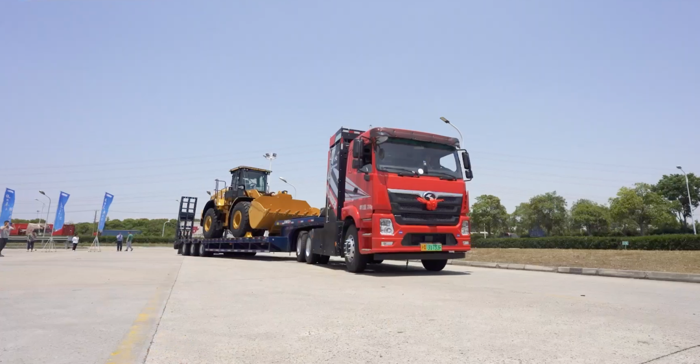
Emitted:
<point x="431" y="247"/>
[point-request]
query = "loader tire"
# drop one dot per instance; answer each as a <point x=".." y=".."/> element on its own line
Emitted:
<point x="240" y="221"/>
<point x="211" y="229"/>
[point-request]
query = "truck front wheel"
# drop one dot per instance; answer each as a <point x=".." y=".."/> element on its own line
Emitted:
<point x="434" y="265"/>
<point x="354" y="261"/>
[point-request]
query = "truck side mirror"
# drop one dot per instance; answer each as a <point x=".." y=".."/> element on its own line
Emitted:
<point x="357" y="148"/>
<point x="466" y="161"/>
<point x="366" y="169"/>
<point x="468" y="174"/>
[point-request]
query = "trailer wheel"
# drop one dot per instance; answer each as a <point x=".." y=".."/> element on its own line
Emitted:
<point x="434" y="265"/>
<point x="311" y="258"/>
<point x="186" y="249"/>
<point x="210" y="225"/>
<point x="324" y="259"/>
<point x="179" y="249"/>
<point x="195" y="249"/>
<point x="240" y="221"/>
<point x="301" y="246"/>
<point x="354" y="261"/>
<point x="203" y="251"/>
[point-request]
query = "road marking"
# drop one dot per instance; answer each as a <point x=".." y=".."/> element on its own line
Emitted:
<point x="135" y="345"/>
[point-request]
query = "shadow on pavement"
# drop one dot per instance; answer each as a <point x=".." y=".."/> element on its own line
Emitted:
<point x="393" y="270"/>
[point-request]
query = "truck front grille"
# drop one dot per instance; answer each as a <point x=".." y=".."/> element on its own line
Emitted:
<point x="408" y="210"/>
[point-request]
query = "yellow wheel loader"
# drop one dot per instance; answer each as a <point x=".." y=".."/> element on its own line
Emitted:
<point x="245" y="208"/>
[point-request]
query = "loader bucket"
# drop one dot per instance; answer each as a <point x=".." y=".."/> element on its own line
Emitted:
<point x="265" y="210"/>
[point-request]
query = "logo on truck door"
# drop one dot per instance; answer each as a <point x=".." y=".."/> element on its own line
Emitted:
<point x="430" y="200"/>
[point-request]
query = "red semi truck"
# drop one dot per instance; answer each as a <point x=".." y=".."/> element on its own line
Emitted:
<point x="391" y="194"/>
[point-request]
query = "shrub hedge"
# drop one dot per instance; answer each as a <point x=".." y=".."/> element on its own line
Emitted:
<point x="652" y="242"/>
<point x="138" y="239"/>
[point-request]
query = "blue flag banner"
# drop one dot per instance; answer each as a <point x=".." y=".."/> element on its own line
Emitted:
<point x="105" y="209"/>
<point x="8" y="203"/>
<point x="60" y="211"/>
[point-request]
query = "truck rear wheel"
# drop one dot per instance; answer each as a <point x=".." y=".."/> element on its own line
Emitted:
<point x="311" y="258"/>
<point x="185" y="249"/>
<point x="301" y="246"/>
<point x="434" y="265"/>
<point x="195" y="249"/>
<point x="354" y="261"/>
<point x="202" y="250"/>
<point x="211" y="225"/>
<point x="240" y="222"/>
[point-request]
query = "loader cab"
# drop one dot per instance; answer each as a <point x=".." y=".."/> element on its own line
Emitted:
<point x="245" y="179"/>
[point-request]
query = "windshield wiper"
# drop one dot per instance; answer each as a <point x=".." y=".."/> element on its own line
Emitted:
<point x="442" y="175"/>
<point x="403" y="172"/>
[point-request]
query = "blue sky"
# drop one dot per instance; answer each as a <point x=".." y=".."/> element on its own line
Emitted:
<point x="152" y="100"/>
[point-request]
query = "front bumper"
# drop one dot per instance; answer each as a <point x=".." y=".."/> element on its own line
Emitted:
<point x="408" y="238"/>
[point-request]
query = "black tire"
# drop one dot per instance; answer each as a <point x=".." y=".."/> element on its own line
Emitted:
<point x="311" y="257"/>
<point x="195" y="250"/>
<point x="186" y="249"/>
<point x="301" y="246"/>
<point x="323" y="259"/>
<point x="240" y="221"/>
<point x="354" y="261"/>
<point x="203" y="252"/>
<point x="211" y="228"/>
<point x="179" y="249"/>
<point x="380" y="261"/>
<point x="434" y="265"/>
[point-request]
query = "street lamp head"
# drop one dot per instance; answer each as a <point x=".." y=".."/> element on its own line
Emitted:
<point x="42" y="192"/>
<point x="679" y="167"/>
<point x="445" y="120"/>
<point x="283" y="180"/>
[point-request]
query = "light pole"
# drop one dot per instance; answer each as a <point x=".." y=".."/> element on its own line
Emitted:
<point x="270" y="157"/>
<point x="46" y="223"/>
<point x="690" y="203"/>
<point x="461" y="141"/>
<point x="285" y="181"/>
<point x="42" y="209"/>
<point x="163" y="234"/>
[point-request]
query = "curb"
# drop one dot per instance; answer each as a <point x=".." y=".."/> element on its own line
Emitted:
<point x="617" y="273"/>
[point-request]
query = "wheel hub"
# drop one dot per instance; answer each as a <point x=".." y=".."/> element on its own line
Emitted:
<point x="350" y="247"/>
<point x="237" y="217"/>
<point x="207" y="223"/>
<point x="308" y="246"/>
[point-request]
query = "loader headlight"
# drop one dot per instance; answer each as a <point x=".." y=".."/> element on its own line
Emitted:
<point x="386" y="227"/>
<point x="465" y="227"/>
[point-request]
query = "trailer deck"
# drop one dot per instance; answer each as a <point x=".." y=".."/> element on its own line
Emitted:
<point x="285" y="242"/>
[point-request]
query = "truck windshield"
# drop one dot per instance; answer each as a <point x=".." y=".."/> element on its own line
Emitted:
<point x="254" y="180"/>
<point x="409" y="156"/>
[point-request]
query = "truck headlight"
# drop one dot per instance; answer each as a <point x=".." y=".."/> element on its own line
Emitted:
<point x="465" y="227"/>
<point x="386" y="227"/>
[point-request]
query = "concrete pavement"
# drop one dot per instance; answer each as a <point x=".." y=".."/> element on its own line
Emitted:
<point x="275" y="310"/>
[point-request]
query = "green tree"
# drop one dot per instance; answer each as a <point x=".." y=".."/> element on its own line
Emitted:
<point x="549" y="212"/>
<point x="488" y="213"/>
<point x="641" y="206"/>
<point x="673" y="188"/>
<point x="591" y="216"/>
<point x="520" y="221"/>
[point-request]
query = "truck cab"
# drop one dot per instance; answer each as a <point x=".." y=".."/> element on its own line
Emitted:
<point x="394" y="194"/>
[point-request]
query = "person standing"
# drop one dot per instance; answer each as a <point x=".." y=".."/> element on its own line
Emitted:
<point x="76" y="239"/>
<point x="4" y="235"/>
<point x="120" y="240"/>
<point x="31" y="238"/>
<point x="129" y="240"/>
